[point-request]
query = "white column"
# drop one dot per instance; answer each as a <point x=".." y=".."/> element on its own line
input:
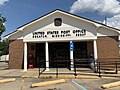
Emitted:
<point x="25" y="56"/>
<point x="95" y="49"/>
<point x="119" y="41"/>
<point x="71" y="58"/>
<point x="47" y="56"/>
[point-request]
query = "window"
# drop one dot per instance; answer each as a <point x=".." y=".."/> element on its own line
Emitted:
<point x="58" y="22"/>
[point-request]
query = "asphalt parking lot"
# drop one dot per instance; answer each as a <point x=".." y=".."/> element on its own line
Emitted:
<point x="88" y="84"/>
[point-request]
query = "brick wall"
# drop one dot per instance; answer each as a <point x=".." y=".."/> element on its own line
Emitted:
<point x="108" y="47"/>
<point x="16" y="54"/>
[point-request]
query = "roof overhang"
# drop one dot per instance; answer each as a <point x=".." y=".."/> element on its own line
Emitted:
<point x="96" y="24"/>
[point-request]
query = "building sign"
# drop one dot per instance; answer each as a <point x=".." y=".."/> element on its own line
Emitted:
<point x="59" y="33"/>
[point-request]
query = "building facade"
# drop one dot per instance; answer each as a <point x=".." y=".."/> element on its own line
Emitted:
<point x="60" y="35"/>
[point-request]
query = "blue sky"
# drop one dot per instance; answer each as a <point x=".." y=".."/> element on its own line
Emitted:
<point x="19" y="12"/>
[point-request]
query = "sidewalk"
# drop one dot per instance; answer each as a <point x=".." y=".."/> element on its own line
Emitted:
<point x="3" y="65"/>
<point x="25" y="79"/>
<point x="9" y="73"/>
<point x="18" y="73"/>
<point x="65" y="73"/>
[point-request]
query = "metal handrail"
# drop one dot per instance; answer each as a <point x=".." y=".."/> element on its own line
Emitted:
<point x="57" y="67"/>
<point x="64" y="61"/>
<point x="98" y="65"/>
<point x="42" y="66"/>
<point x="116" y="65"/>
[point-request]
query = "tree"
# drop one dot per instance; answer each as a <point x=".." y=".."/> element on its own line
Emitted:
<point x="4" y="44"/>
<point x="4" y="47"/>
<point x="2" y="26"/>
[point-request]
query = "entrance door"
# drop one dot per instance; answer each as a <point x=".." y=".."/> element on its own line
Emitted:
<point x="40" y="55"/>
<point x="80" y="54"/>
<point x="59" y="54"/>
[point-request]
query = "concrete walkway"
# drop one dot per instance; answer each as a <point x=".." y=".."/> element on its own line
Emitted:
<point x="11" y="73"/>
<point x="65" y="73"/>
<point x="3" y="65"/>
<point x="18" y="73"/>
<point x="87" y="79"/>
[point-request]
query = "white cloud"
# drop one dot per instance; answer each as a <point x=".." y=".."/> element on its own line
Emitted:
<point x="102" y="6"/>
<point x="114" y="21"/>
<point x="111" y="7"/>
<point x="2" y="2"/>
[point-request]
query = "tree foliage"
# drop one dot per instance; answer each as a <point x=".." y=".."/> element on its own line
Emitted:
<point x="4" y="44"/>
<point x="2" y="26"/>
<point x="4" y="48"/>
